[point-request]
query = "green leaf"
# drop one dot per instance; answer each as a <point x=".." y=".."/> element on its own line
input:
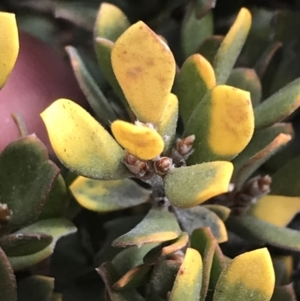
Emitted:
<point x="81" y="143"/>
<point x="205" y="243"/>
<point x="134" y="278"/>
<point x="24" y="244"/>
<point x="246" y="79"/>
<point x="187" y="284"/>
<point x="192" y="185"/>
<point x="57" y="200"/>
<point x="94" y="95"/>
<point x="264" y="143"/>
<point x="111" y="22"/>
<point x="103" y="48"/>
<point x="249" y="276"/>
<point x="35" y="288"/>
<point x="200" y="217"/>
<point x="109" y="275"/>
<point x="203" y="6"/>
<point x="159" y="225"/>
<point x="196" y="77"/>
<point x="255" y="230"/>
<point x="223" y="105"/>
<point x="107" y="196"/>
<point x="278" y="106"/>
<point x="283" y="267"/>
<point x="221" y="211"/>
<point x="8" y="285"/>
<point x="26" y="179"/>
<point x="130" y="257"/>
<point x="56" y="227"/>
<point x="265" y="58"/>
<point x="168" y="123"/>
<point x="231" y="46"/>
<point x="286" y="181"/>
<point x="162" y="251"/>
<point x="163" y="277"/>
<point x="194" y="31"/>
<point x="9" y="45"/>
<point x="210" y="46"/>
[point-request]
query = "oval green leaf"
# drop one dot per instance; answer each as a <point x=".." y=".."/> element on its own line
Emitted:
<point x="192" y="185"/>
<point x="107" y="196"/>
<point x="81" y="143"/>
<point x="231" y="46"/>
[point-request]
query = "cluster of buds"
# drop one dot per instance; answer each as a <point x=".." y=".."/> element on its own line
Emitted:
<point x="183" y="149"/>
<point x="138" y="167"/>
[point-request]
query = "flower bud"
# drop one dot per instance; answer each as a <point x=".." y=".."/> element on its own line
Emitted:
<point x="185" y="146"/>
<point x="135" y="165"/>
<point x="5" y="214"/>
<point x="163" y="165"/>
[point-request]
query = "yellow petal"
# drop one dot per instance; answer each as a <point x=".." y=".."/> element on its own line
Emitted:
<point x="9" y="45"/>
<point x="276" y="209"/>
<point x="141" y="141"/>
<point x="145" y="69"/>
<point x="81" y="143"/>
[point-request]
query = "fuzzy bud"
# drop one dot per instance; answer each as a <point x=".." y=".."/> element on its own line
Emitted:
<point x="163" y="165"/>
<point x="5" y="214"/>
<point x="185" y="146"/>
<point x="135" y="165"/>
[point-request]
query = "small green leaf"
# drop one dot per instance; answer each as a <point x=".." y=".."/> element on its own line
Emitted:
<point x="192" y="185"/>
<point x="162" y="251"/>
<point x="111" y="22"/>
<point x="82" y="144"/>
<point x="231" y="46"/>
<point x="286" y="181"/>
<point x="24" y="244"/>
<point x="168" y="122"/>
<point x="259" y="158"/>
<point x="8" y="285"/>
<point x="221" y="211"/>
<point x="266" y="57"/>
<point x="205" y="243"/>
<point x="134" y="278"/>
<point x="57" y="200"/>
<point x="226" y="127"/>
<point x="56" y="227"/>
<point x="26" y="178"/>
<point x="246" y="79"/>
<point x="210" y="46"/>
<point x="163" y="277"/>
<point x="283" y="267"/>
<point x="200" y="217"/>
<point x="263" y="144"/>
<point x="109" y="275"/>
<point x="159" y="225"/>
<point x="130" y="257"/>
<point x="196" y="77"/>
<point x="278" y="106"/>
<point x="203" y="6"/>
<point x="35" y="288"/>
<point x="103" y="49"/>
<point x="256" y="230"/>
<point x="107" y="196"/>
<point x="9" y="45"/>
<point x="249" y="276"/>
<point x="94" y="95"/>
<point x="187" y="284"/>
<point x="195" y="30"/>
